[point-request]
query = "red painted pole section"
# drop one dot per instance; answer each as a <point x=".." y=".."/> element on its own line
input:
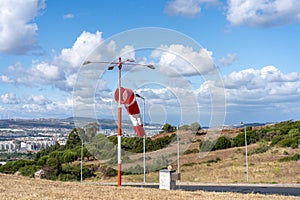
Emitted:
<point x="119" y="146"/>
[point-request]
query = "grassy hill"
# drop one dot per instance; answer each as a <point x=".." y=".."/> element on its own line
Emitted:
<point x="273" y="157"/>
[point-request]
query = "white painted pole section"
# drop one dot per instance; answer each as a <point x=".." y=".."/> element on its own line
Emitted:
<point x="144" y="142"/>
<point x="81" y="160"/>
<point x="178" y="152"/>
<point x="247" y="177"/>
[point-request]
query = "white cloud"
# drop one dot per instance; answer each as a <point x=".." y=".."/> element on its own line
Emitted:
<point x="17" y="30"/>
<point x="262" y="87"/>
<point x="9" y="98"/>
<point x="37" y="99"/>
<point x="40" y="106"/>
<point x="263" y="12"/>
<point x="6" y="79"/>
<point x="41" y="73"/>
<point x="229" y="59"/>
<point x="62" y="74"/>
<point x="84" y="44"/>
<point x="182" y="60"/>
<point x="68" y="16"/>
<point x="187" y="8"/>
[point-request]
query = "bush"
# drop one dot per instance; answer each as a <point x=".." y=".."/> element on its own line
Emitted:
<point x="191" y="151"/>
<point x="69" y="156"/>
<point x="42" y="161"/>
<point x="206" y="146"/>
<point x="214" y="160"/>
<point x="110" y="172"/>
<point x="223" y="142"/>
<point x="239" y="140"/>
<point x="295" y="157"/>
<point x="28" y="170"/>
<point x="262" y="149"/>
<point x="14" y="166"/>
<point x="288" y="142"/>
<point x="276" y="139"/>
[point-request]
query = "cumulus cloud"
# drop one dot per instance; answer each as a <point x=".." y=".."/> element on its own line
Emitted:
<point x="6" y="79"/>
<point x="62" y="71"/>
<point x="40" y="106"/>
<point x="187" y="8"/>
<point x="263" y="12"/>
<point x="37" y="99"/>
<point x="73" y="57"/>
<point x="183" y="60"/>
<point x="229" y="59"/>
<point x="39" y="73"/>
<point x="9" y="98"/>
<point x="17" y="30"/>
<point x="262" y="86"/>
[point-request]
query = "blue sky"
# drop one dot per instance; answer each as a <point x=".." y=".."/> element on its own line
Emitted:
<point x="253" y="44"/>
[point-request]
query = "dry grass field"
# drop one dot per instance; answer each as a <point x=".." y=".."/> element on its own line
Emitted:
<point x="263" y="167"/>
<point x="19" y="187"/>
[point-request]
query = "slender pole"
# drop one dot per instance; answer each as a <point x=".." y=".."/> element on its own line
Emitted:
<point x="247" y="178"/>
<point x="178" y="153"/>
<point x="81" y="161"/>
<point x="144" y="142"/>
<point x="119" y="126"/>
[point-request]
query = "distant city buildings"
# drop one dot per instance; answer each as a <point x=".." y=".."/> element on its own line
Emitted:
<point x="32" y="135"/>
<point x="31" y="140"/>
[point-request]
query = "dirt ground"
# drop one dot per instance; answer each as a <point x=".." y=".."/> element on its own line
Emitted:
<point x="19" y="187"/>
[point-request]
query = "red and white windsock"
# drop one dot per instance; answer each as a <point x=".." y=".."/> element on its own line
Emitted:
<point x="128" y="99"/>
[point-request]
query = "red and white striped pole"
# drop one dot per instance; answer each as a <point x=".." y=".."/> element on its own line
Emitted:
<point x="134" y="118"/>
<point x="119" y="125"/>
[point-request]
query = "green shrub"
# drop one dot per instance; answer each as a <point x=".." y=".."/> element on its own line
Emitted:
<point x="28" y="170"/>
<point x="295" y="157"/>
<point x="42" y="161"/>
<point x="239" y="140"/>
<point x="69" y="156"/>
<point x="223" y="142"/>
<point x="288" y="142"/>
<point x="285" y="153"/>
<point x="191" y="151"/>
<point x="189" y="164"/>
<point x="261" y="149"/>
<point x="206" y="146"/>
<point x="214" y="160"/>
<point x="14" y="166"/>
<point x="276" y="139"/>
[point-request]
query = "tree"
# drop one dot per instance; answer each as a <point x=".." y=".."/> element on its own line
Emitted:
<point x="90" y="131"/>
<point x="69" y="156"/>
<point x="168" y="128"/>
<point x="195" y="127"/>
<point x="206" y="146"/>
<point x="52" y="168"/>
<point x="184" y="127"/>
<point x="223" y="142"/>
<point x="73" y="139"/>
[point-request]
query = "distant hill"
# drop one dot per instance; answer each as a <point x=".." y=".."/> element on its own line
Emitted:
<point x="68" y="123"/>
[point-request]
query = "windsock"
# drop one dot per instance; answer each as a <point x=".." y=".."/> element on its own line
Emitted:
<point x="128" y="99"/>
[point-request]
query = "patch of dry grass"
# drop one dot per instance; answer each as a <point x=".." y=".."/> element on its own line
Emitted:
<point x="263" y="167"/>
<point x="18" y="187"/>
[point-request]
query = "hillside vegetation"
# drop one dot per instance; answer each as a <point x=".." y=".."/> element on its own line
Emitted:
<point x="273" y="153"/>
<point x="62" y="162"/>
